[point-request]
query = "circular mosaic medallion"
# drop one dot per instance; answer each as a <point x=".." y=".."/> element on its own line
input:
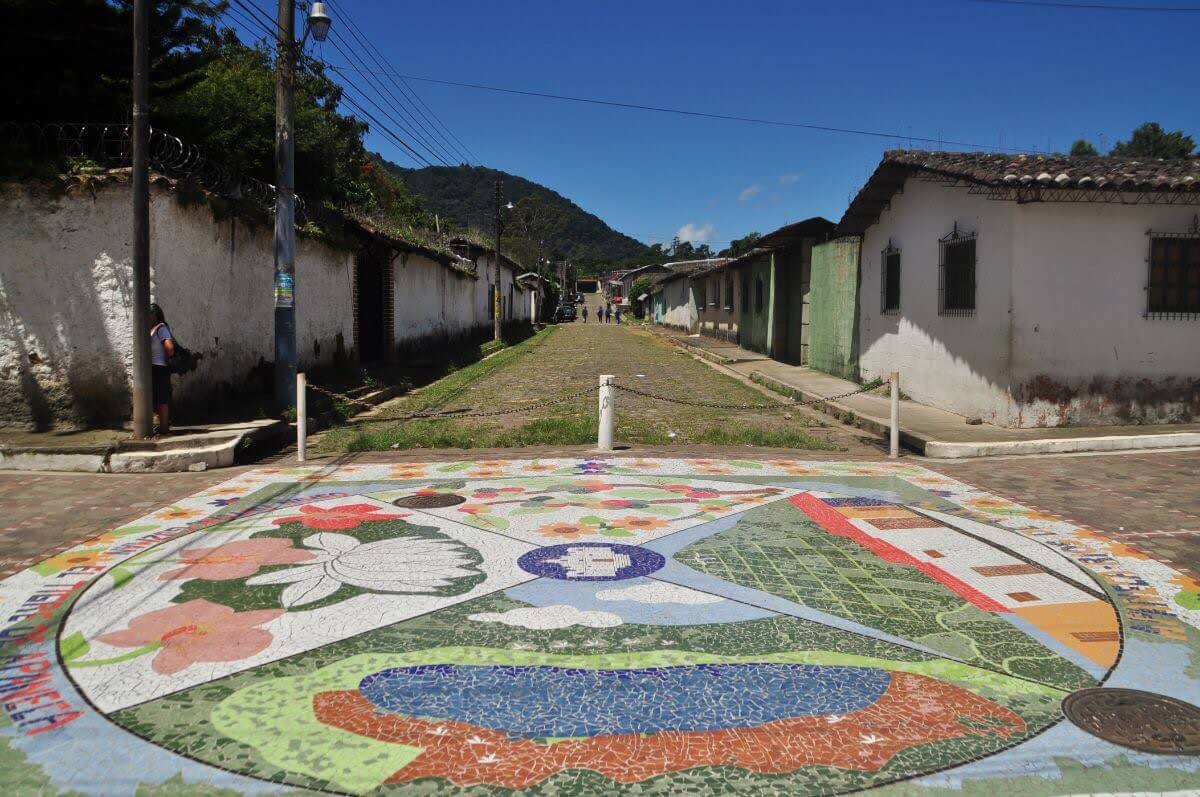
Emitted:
<point x="591" y="561"/>
<point x="428" y="501"/>
<point x="1144" y="721"/>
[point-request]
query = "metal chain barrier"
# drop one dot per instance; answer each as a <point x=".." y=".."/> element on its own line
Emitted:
<point x="464" y="412"/>
<point x="743" y="406"/>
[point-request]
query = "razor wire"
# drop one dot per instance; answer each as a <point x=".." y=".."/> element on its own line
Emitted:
<point x="110" y="145"/>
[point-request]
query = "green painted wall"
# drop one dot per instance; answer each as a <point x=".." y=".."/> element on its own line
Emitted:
<point x="832" y="338"/>
<point x="753" y="330"/>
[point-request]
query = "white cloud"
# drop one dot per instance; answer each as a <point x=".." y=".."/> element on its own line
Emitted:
<point x="548" y="617"/>
<point x="788" y="179"/>
<point x="696" y="234"/>
<point x="657" y="592"/>
<point x="749" y="192"/>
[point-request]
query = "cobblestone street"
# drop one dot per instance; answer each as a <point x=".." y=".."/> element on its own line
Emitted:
<point x="575" y="355"/>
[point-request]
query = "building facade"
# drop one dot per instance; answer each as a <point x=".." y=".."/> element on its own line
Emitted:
<point x="1033" y="291"/>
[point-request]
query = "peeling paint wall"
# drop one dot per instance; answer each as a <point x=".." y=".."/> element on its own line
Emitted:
<point x="1082" y="351"/>
<point x="65" y="272"/>
<point x="679" y="305"/>
<point x="1058" y="336"/>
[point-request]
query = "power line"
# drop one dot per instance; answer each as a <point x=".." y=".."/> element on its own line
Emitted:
<point x="389" y="97"/>
<point x="377" y="56"/>
<point x="386" y="97"/>
<point x="1093" y="6"/>
<point x="691" y="113"/>
<point x="249" y="22"/>
<point x="264" y="20"/>
<point x="416" y="156"/>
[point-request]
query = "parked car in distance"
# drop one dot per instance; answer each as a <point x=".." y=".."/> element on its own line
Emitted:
<point x="565" y="312"/>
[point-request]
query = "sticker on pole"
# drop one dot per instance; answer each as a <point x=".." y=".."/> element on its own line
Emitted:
<point x="285" y="289"/>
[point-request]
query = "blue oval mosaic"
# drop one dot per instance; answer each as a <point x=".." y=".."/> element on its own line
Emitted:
<point x="591" y="561"/>
<point x="537" y="702"/>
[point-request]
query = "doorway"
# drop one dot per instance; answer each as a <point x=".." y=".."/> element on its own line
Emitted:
<point x="368" y="308"/>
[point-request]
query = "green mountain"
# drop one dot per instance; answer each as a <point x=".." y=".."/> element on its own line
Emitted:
<point x="542" y="223"/>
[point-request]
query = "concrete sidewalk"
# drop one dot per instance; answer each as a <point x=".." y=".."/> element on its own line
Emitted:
<point x="924" y="429"/>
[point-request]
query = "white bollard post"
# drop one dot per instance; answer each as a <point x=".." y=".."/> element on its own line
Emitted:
<point x="608" y="411"/>
<point x="301" y="417"/>
<point x="894" y="378"/>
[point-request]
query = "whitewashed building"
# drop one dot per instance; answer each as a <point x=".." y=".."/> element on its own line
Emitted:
<point x="1033" y="291"/>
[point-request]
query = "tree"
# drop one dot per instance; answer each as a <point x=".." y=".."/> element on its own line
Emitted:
<point x="641" y="285"/>
<point x="76" y="56"/>
<point x="1151" y="141"/>
<point x="1082" y="148"/>
<point x="741" y="246"/>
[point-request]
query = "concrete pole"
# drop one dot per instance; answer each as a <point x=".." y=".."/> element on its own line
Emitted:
<point x="143" y="413"/>
<point x="608" y="413"/>
<point x="285" y="208"/>
<point x="301" y="418"/>
<point x="496" y="273"/>
<point x="894" y="448"/>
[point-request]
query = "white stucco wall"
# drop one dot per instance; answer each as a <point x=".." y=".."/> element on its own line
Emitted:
<point x="957" y="363"/>
<point x="1058" y="336"/>
<point x="679" y="305"/>
<point x="1083" y="352"/>
<point x="65" y="304"/>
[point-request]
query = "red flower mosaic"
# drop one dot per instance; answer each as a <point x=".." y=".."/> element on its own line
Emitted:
<point x="338" y="518"/>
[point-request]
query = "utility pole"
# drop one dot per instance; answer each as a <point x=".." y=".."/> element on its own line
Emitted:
<point x="142" y="411"/>
<point x="496" y="273"/>
<point x="285" y="208"/>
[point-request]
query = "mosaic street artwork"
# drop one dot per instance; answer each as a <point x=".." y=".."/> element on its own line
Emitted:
<point x="657" y="626"/>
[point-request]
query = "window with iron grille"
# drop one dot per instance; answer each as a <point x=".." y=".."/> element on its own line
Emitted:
<point x="889" y="281"/>
<point x="716" y="293"/>
<point x="956" y="274"/>
<point x="746" y="294"/>
<point x="1173" y="284"/>
<point x="729" y="293"/>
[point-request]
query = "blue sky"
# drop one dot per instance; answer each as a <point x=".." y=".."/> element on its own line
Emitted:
<point x="958" y="70"/>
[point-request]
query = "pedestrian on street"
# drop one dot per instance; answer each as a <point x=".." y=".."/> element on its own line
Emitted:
<point x="162" y="348"/>
<point x="585" y="314"/>
<point x="618" y="316"/>
<point x="599" y="314"/>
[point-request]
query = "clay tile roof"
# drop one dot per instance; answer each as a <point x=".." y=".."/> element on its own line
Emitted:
<point x="1017" y="171"/>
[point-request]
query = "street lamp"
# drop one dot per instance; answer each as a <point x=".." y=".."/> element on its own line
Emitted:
<point x="496" y="302"/>
<point x="318" y="24"/>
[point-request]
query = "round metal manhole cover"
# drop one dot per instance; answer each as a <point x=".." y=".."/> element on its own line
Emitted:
<point x="429" y="500"/>
<point x="1132" y="718"/>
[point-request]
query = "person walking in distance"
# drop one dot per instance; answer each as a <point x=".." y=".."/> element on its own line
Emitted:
<point x="599" y="314"/>
<point x="618" y="315"/>
<point x="584" y="314"/>
<point x="162" y="348"/>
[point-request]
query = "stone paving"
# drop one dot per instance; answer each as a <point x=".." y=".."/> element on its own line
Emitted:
<point x="570" y="625"/>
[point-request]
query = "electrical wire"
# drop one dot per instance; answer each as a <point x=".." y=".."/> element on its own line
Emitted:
<point x="414" y="136"/>
<point x="458" y="147"/>
<point x="416" y="132"/>
<point x="386" y="131"/>
<point x="691" y="113"/>
<point x="1093" y="6"/>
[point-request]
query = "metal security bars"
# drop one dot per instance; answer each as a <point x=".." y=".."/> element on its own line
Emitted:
<point x="1173" y="276"/>
<point x="889" y="280"/>
<point x="956" y="274"/>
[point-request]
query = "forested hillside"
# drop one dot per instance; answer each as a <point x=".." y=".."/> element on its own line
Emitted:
<point x="542" y="224"/>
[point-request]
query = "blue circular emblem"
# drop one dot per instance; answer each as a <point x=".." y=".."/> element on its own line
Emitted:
<point x="591" y="561"/>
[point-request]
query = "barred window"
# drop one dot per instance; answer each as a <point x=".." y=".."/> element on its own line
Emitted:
<point x="956" y="274"/>
<point x="746" y="294"/>
<point x="716" y="293"/>
<point x="729" y="293"/>
<point x="1173" y="287"/>
<point x="889" y="281"/>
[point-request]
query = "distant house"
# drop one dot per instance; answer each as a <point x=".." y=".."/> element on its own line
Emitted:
<point x="673" y="299"/>
<point x="1033" y="290"/>
<point x="633" y="275"/>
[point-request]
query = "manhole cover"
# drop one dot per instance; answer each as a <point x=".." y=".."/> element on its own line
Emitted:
<point x="429" y="500"/>
<point x="1133" y="718"/>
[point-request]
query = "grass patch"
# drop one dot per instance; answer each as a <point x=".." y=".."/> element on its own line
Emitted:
<point x="452" y="434"/>
<point x="767" y="438"/>
<point x="447" y="388"/>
